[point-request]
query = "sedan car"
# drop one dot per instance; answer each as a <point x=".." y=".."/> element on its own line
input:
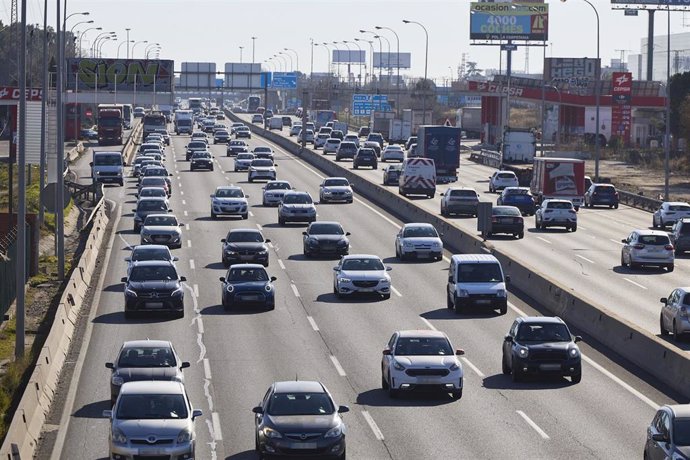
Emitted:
<point x="419" y="240"/>
<point x="375" y="146"/>
<point x="162" y="229"/>
<point x="247" y="284"/>
<point x="229" y="200"/>
<point x="331" y="145"/>
<point x="320" y="140"/>
<point x="243" y="132"/>
<point x="352" y="138"/>
<point x="274" y="191"/>
<point x="201" y="160"/>
<point x="335" y="189"/>
<point x="244" y="245"/>
<point x="242" y="161"/>
<point x="155" y="181"/>
<point x="668" y="435"/>
<point x="325" y="238"/>
<point x="506" y="219"/>
<point x="236" y="147"/>
<point x="601" y="195"/>
<point x="391" y="174"/>
<point x="148" y="192"/>
<point x="673" y="318"/>
<point x="154" y="286"/>
<point x="421" y="359"/>
<point x="392" y="152"/>
<point x="502" y="179"/>
<point x="263" y="151"/>
<point x="152" y="420"/>
<point x="364" y="157"/>
<point x="459" y="200"/>
<point x="195" y="146"/>
<point x="296" y="207"/>
<point x="221" y="136"/>
<point x="647" y="247"/>
<point x="669" y="212"/>
<point x="144" y="360"/>
<point x="299" y="419"/>
<point x="556" y="213"/>
<point x="261" y="169"/>
<point x="361" y="273"/>
<point x="541" y="345"/>
<point x="306" y="135"/>
<point x="149" y="252"/>
<point x="147" y="206"/>
<point x="520" y="197"/>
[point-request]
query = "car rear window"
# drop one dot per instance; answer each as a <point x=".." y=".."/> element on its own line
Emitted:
<point x="606" y="189"/>
<point x="505" y="211"/>
<point x="685" y="229"/>
<point x="560" y="205"/>
<point x="506" y="175"/>
<point x="679" y="207"/>
<point x="654" y="240"/>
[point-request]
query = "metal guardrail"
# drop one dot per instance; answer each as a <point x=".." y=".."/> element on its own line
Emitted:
<point x="639" y="201"/>
<point x="490" y="158"/>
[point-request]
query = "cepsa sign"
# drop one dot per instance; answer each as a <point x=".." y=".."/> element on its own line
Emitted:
<point x="509" y="21"/>
<point x="12" y="93"/>
<point x="120" y="74"/>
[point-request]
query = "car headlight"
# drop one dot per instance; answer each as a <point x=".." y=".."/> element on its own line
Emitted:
<point x="117" y="380"/>
<point x="271" y="433"/>
<point x="177" y="292"/>
<point x="454" y="367"/>
<point x="342" y="243"/>
<point x="523" y="352"/>
<point x="184" y="436"/>
<point x="436" y="244"/>
<point x="262" y="252"/>
<point x="501" y="293"/>
<point x="313" y="240"/>
<point x="574" y="352"/>
<point x="229" y="288"/>
<point x="383" y="280"/>
<point x="119" y="437"/>
<point x="130" y="292"/>
<point x="398" y="366"/>
<point x="268" y="288"/>
<point x="334" y="432"/>
<point x="408" y="244"/>
<point x="344" y="280"/>
<point x="463" y="293"/>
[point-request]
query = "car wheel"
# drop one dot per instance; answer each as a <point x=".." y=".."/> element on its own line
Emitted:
<point x="384" y="382"/>
<point x="623" y="264"/>
<point x="653" y="222"/>
<point x="443" y="212"/>
<point x="521" y="235"/>
<point x="245" y="216"/>
<point x="615" y="206"/>
<point x="129" y="314"/>
<point x="179" y="314"/>
<point x="281" y="221"/>
<point x="573" y="228"/>
<point x="457" y="306"/>
<point x="226" y="263"/>
<point x="662" y="329"/>
<point x="517" y="375"/>
<point x="504" y="366"/>
<point x="576" y="378"/>
<point x="355" y="166"/>
<point x="504" y="309"/>
<point x="457" y="394"/>
<point x="449" y="301"/>
<point x="386" y="296"/>
<point x="250" y="180"/>
<point x="669" y="268"/>
<point x="214" y="215"/>
<point x="349" y="201"/>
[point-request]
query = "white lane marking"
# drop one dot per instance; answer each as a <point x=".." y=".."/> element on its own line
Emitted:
<point x="580" y="227"/>
<point x="446" y="259"/>
<point x="196" y="290"/>
<point x="372" y="424"/>
<point x="129" y="246"/>
<point x="584" y="258"/>
<point x="338" y="367"/>
<point x="636" y="284"/>
<point x="178" y="178"/>
<point x="184" y="202"/>
<point x="181" y="192"/>
<point x="390" y="221"/>
<point x="226" y="178"/>
<point x="282" y="265"/>
<point x="544" y="240"/>
<point x="270" y="245"/>
<point x="616" y="241"/>
<point x="396" y="292"/>
<point x="217" y="434"/>
<point x="313" y="323"/>
<point x="620" y="382"/>
<point x="251" y="214"/>
<point x="259" y="226"/>
<point x="186" y="214"/>
<point x="189" y="243"/>
<point x="473" y="367"/>
<point x="186" y="226"/>
<point x="294" y="289"/>
<point x="516" y="309"/>
<point x="531" y="423"/>
<point x="191" y="264"/>
<point x="428" y="323"/>
<point x="200" y="325"/>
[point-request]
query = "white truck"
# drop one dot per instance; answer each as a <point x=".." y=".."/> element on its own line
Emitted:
<point x="519" y="145"/>
<point x="184" y="122"/>
<point x="340" y="126"/>
<point x="399" y="131"/>
<point x="418" y="177"/>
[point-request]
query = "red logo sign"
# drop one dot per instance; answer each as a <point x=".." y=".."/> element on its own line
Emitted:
<point x="12" y="93"/>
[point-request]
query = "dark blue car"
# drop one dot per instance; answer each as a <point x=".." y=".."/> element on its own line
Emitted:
<point x="248" y="285"/>
<point x="520" y="197"/>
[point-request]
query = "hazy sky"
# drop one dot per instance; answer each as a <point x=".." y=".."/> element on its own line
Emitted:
<point x="213" y="30"/>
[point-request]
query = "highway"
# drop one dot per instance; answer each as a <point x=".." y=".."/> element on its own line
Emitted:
<point x="236" y="355"/>
<point x="587" y="261"/>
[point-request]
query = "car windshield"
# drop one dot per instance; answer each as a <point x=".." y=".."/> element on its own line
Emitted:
<point x="153" y="273"/>
<point x="423" y="346"/>
<point x="278" y="186"/>
<point x="517" y="191"/>
<point x="336" y="183"/>
<point x="479" y="273"/>
<point x="654" y="240"/>
<point x="394" y="147"/>
<point x="166" y="221"/>
<point x="152" y="205"/>
<point x="196" y="145"/>
<point x="244" y="237"/>
<point x="363" y="264"/>
<point x="108" y="160"/>
<point x="463" y="193"/>
<point x="150" y="253"/>
<point x="262" y="162"/>
<point x="559" y="205"/>
<point x="505" y="211"/>
<point x="679" y="207"/>
<point x="419" y="232"/>
<point x="201" y="155"/>
<point x="681" y="432"/>
<point x="543" y="332"/>
<point x="297" y="198"/>
<point x="229" y="193"/>
<point x="238" y="143"/>
<point x="326" y="229"/>
<point x="300" y="404"/>
<point x="262" y="149"/>
<point x="247" y="274"/>
<point x="146" y="357"/>
<point x="365" y="152"/>
<point x="151" y="407"/>
<point x="245" y="156"/>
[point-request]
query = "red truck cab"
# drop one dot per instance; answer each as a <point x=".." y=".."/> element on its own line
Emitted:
<point x="109" y="127"/>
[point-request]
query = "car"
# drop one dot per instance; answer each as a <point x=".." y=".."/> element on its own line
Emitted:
<point x="236" y="125"/>
<point x="601" y="194"/>
<point x="335" y="189"/>
<point x="137" y="163"/>
<point x="242" y="161"/>
<point x="221" y="135"/>
<point x="247" y="284"/>
<point x="502" y="179"/>
<point x="673" y="318"/>
<point x="364" y="157"/>
<point x="346" y="150"/>
<point x="243" y="131"/>
<point x="331" y="145"/>
<point x="154" y="181"/>
<point x="201" y="160"/>
<point x="361" y="273"/>
<point x="320" y="140"/>
<point x="391" y="174"/>
<point x="352" y="138"/>
<point x="199" y="136"/>
<point x="519" y="197"/>
<point x="669" y="212"/>
<point x="325" y="238"/>
<point x="209" y="125"/>
<point x="164" y="133"/>
<point x="299" y="419"/>
<point x="680" y="236"/>
<point x="195" y="146"/>
<point x="149" y="252"/>
<point x="154" y="285"/>
<point x="148" y="192"/>
<point x="476" y="280"/>
<point x="150" y="360"/>
<point x="459" y="201"/>
<point x="154" y="170"/>
<point x="229" y="200"/>
<point x="244" y="245"/>
<point x="392" y="152"/>
<point x="296" y="207"/>
<point x="556" y="213"/>
<point x="541" y="345"/>
<point x="147" y="206"/>
<point x="295" y="129"/>
<point x="261" y="169"/>
<point x="376" y="137"/>
<point x="268" y="113"/>
<point x="375" y="146"/>
<point x="156" y="146"/>
<point x="235" y="147"/>
<point x="306" y="136"/>
<point x="647" y="247"/>
<point x="337" y="134"/>
<point x="287" y="121"/>
<point x="506" y="219"/>
<point x="220" y="116"/>
<point x="326" y="130"/>
<point x="364" y="131"/>
<point x="161" y="229"/>
<point x="257" y="118"/>
<point x="152" y="420"/>
<point x="263" y="151"/>
<point x="274" y="191"/>
<point x="667" y="434"/>
<point x="411" y="151"/>
<point x="410" y="140"/>
<point x="421" y="359"/>
<point x="419" y="240"/>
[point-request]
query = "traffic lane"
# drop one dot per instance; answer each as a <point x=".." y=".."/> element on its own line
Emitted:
<point x="81" y="167"/>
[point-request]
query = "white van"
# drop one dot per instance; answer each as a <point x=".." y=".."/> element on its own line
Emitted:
<point x="275" y="123"/>
<point x="476" y="280"/>
<point x="418" y="177"/>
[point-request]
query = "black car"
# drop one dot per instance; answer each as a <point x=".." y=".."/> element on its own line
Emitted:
<point x="201" y="160"/>
<point x="325" y="238"/>
<point x="365" y="157"/>
<point x="299" y="419"/>
<point x="194" y="146"/>
<point x="245" y="245"/>
<point x="146" y="206"/>
<point x="520" y="197"/>
<point x="601" y="194"/>
<point x="391" y="174"/>
<point x="507" y="219"/>
<point x="247" y="284"/>
<point x="364" y="131"/>
<point x="154" y="286"/>
<point x="680" y="236"/>
<point x="541" y="345"/>
<point x="337" y="134"/>
<point x="287" y="121"/>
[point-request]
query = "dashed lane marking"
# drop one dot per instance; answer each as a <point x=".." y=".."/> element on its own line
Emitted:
<point x="584" y="258"/>
<point x="338" y="367"/>
<point x="544" y="240"/>
<point x="313" y="323"/>
<point x="372" y="424"/>
<point x="634" y="283"/>
<point x="473" y="367"/>
<point x="531" y="423"/>
<point x="282" y="265"/>
<point x="395" y="291"/>
<point x="191" y="264"/>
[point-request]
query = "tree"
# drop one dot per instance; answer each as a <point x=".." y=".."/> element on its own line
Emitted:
<point x="680" y="88"/>
<point x="684" y="118"/>
<point x="471" y="70"/>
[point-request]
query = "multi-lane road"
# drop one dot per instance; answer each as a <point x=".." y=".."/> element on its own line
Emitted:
<point x="313" y="335"/>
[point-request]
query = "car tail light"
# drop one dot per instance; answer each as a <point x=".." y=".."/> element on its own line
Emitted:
<point x="571" y="211"/>
<point x="494" y="220"/>
<point x="669" y="247"/>
<point x="517" y="220"/>
<point x="638" y="246"/>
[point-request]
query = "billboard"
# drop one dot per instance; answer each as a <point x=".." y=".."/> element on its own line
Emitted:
<point x="571" y="72"/>
<point x="652" y="2"/>
<point x="390" y="60"/>
<point x="621" y="111"/>
<point x="201" y="75"/>
<point x="349" y="56"/>
<point x="144" y="75"/>
<point x="509" y="21"/>
<point x="243" y="76"/>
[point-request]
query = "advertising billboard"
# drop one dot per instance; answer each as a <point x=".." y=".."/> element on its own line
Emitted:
<point x="349" y="56"/>
<point x="243" y="76"/>
<point x="201" y="75"/>
<point x="652" y="2"/>
<point x="144" y="75"/>
<point x="571" y="72"/>
<point x="390" y="60"/>
<point x="509" y="21"/>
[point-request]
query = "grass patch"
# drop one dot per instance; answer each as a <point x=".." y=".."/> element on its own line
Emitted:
<point x="7" y="340"/>
<point x="10" y="383"/>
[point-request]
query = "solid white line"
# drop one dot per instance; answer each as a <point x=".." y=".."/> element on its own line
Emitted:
<point x="282" y="265"/>
<point x="531" y="423"/>
<point x="313" y="323"/>
<point x="270" y="245"/>
<point x="584" y="258"/>
<point x="390" y="221"/>
<point x="251" y="214"/>
<point x="544" y="240"/>
<point x="396" y="292"/>
<point x="196" y="290"/>
<point x="200" y="324"/>
<point x="372" y="424"/>
<point x="217" y="434"/>
<point x="178" y="178"/>
<point x="580" y="227"/>
<point x="191" y="264"/>
<point x="294" y="289"/>
<point x="446" y="259"/>
<point x="473" y="367"/>
<point x="620" y="382"/>
<point x="516" y="309"/>
<point x="189" y="243"/>
<point x="338" y="367"/>
<point x="636" y="284"/>
<point x="258" y="226"/>
<point x="428" y="323"/>
<point x="616" y="241"/>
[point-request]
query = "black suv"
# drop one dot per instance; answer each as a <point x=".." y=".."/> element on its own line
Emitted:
<point x="365" y="157"/>
<point x="201" y="160"/>
<point x="541" y="345"/>
<point x="245" y="245"/>
<point x="153" y="285"/>
<point x="680" y="236"/>
<point x="601" y="194"/>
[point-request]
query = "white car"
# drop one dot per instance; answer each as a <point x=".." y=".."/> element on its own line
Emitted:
<point x="331" y="145"/>
<point x="261" y="169"/>
<point x="321" y="139"/>
<point x="393" y="153"/>
<point x="361" y="273"/>
<point x="502" y="179"/>
<point x="556" y="213"/>
<point x="647" y="247"/>
<point x="235" y="125"/>
<point x="296" y="207"/>
<point x="307" y="136"/>
<point x="229" y="200"/>
<point x="295" y="129"/>
<point x="418" y="240"/>
<point x="669" y="212"/>
<point x="335" y="189"/>
<point x="421" y="358"/>
<point x="352" y="138"/>
<point x="161" y="229"/>
<point x="243" y="160"/>
<point x="274" y="191"/>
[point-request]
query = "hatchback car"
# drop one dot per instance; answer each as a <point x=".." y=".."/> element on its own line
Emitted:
<point x="331" y="145"/>
<point x="247" y="284"/>
<point x="421" y="359"/>
<point x="320" y="140"/>
<point x="147" y="206"/>
<point x="306" y="136"/>
<point x="162" y="229"/>
<point x="235" y="147"/>
<point x="244" y="245"/>
<point x="299" y="419"/>
<point x="601" y="195"/>
<point x="352" y="138"/>
<point x="261" y="169"/>
<point x="296" y="207"/>
<point x="229" y="200"/>
<point x="257" y="118"/>
<point x="669" y="212"/>
<point x="680" y="236"/>
<point x="242" y="161"/>
<point x="199" y="136"/>
<point x="391" y="174"/>
<point x="459" y="200"/>
<point x="419" y="240"/>
<point x="361" y="273"/>
<point x="647" y="247"/>
<point x="364" y="131"/>
<point x="502" y="179"/>
<point x="346" y="150"/>
<point x="335" y="189"/>
<point x="263" y="151"/>
<point x="520" y="197"/>
<point x="392" y="152"/>
<point x="674" y="313"/>
<point x="375" y="146"/>
<point x="506" y="219"/>
<point x="668" y="436"/>
<point x="556" y="213"/>
<point x="365" y="157"/>
<point x="325" y="238"/>
<point x="295" y="129"/>
<point x="154" y="286"/>
<point x="201" y="160"/>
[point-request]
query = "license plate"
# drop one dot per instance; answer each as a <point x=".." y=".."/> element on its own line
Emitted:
<point x="250" y="297"/>
<point x="550" y="367"/>
<point x="302" y="445"/>
<point x="654" y="249"/>
<point x="483" y="301"/>
<point x="507" y="220"/>
<point x="247" y="257"/>
<point x="154" y="304"/>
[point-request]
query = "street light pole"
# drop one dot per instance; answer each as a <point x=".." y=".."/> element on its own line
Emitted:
<point x="667" y="146"/>
<point x="426" y="65"/>
<point x="135" y="45"/>
<point x="358" y="57"/>
<point x="241" y="48"/>
<point x="397" y="64"/>
<point x="150" y="45"/>
<point x="81" y="36"/>
<point x="371" y="58"/>
<point x="253" y="49"/>
<point x="296" y="57"/>
<point x="103" y="42"/>
<point x="311" y="60"/>
<point x="126" y="41"/>
<point x="120" y="46"/>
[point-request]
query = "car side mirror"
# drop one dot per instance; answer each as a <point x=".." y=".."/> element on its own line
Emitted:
<point x="389" y="268"/>
<point x="387" y="352"/>
<point x="509" y="338"/>
<point x="196" y="413"/>
<point x="212" y="196"/>
<point x="246" y="196"/>
<point x="507" y="278"/>
<point x="123" y="279"/>
<point x="183" y="278"/>
<point x="91" y="164"/>
<point x="577" y="339"/>
<point x="109" y="366"/>
<point x="108" y="413"/>
<point x="134" y="210"/>
<point x="180" y="224"/>
<point x="659" y="437"/>
<point x="316" y="202"/>
<point x="624" y="241"/>
<point x="222" y="279"/>
<point x="347" y="233"/>
<point x="335" y="269"/>
<point x="459" y="352"/>
<point x="663" y="300"/>
<point x="273" y="278"/>
<point x="128" y="259"/>
<point x="170" y="210"/>
<point x="184" y="365"/>
<point x="258" y="410"/>
<point x="223" y="240"/>
<point x="343" y="409"/>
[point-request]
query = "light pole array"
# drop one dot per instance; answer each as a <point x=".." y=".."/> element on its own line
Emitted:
<point x="253" y="48"/>
<point x="296" y="57"/>
<point x="241" y="48"/>
<point x="126" y="42"/>
<point x="371" y="59"/>
<point x="81" y="36"/>
<point x="150" y="45"/>
<point x="135" y="45"/>
<point x="426" y="65"/>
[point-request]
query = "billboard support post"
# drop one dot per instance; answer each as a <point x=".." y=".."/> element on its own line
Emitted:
<point x="650" y="45"/>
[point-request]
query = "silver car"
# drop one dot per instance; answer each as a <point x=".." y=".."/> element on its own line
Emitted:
<point x="261" y="169"/>
<point x="669" y="212"/>
<point x="296" y="207"/>
<point x="459" y="200"/>
<point x="274" y="191"/>
<point x="361" y="273"/>
<point x="674" y="313"/>
<point x="647" y="247"/>
<point x="667" y="435"/>
<point x="242" y="161"/>
<point x="152" y="419"/>
<point x="418" y="240"/>
<point x="335" y="189"/>
<point x="162" y="229"/>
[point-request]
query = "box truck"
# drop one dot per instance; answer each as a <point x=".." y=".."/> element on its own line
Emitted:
<point x="519" y="145"/>
<point x="441" y="144"/>
<point x="562" y="178"/>
<point x="184" y="122"/>
<point x="109" y="126"/>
